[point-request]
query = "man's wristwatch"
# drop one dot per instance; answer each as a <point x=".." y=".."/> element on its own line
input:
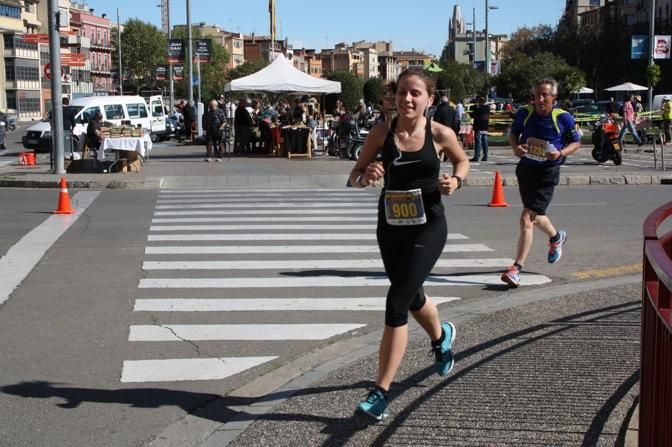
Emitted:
<point x="459" y="181"/>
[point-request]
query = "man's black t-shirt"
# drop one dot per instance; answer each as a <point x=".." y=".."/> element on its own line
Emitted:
<point x="481" y="117"/>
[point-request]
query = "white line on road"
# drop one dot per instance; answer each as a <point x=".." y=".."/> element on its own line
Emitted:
<point x="270" y="200"/>
<point x="263" y="205"/>
<point x="328" y="281"/>
<point x="22" y="257"/>
<point x="260" y="191"/>
<point x="171" y="370"/>
<point x="273" y="237"/>
<point x="286" y="211"/>
<point x="312" y="264"/>
<point x="279" y="227"/>
<point x="266" y="304"/>
<point x="328" y="220"/>
<point x="284" y="249"/>
<point x="247" y="332"/>
<point x="317" y="195"/>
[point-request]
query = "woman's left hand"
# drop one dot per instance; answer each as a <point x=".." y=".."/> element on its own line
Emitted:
<point x="447" y="184"/>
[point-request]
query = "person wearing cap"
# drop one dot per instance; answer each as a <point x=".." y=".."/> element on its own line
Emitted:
<point x="666" y="111"/>
<point x="637" y="104"/>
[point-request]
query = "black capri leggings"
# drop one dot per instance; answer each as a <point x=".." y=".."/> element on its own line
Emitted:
<point x="409" y="254"/>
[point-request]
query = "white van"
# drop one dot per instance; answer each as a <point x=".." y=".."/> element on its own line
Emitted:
<point x="658" y="100"/>
<point x="116" y="110"/>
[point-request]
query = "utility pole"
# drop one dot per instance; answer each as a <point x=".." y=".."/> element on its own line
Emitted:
<point x="473" y="34"/>
<point x="121" y="71"/>
<point x="190" y="54"/>
<point x="56" y="91"/>
<point x="652" y="48"/>
<point x="487" y="42"/>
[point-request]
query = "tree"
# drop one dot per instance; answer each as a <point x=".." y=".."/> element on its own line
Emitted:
<point x="519" y="72"/>
<point x="529" y="41"/>
<point x="373" y="90"/>
<point x="351" y="88"/>
<point x="143" y="46"/>
<point x="213" y="74"/>
<point x="460" y="80"/>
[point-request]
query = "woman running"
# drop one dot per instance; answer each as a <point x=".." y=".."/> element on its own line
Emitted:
<point x="412" y="227"/>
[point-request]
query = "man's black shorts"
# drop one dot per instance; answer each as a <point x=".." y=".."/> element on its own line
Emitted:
<point x="213" y="136"/>
<point x="536" y="186"/>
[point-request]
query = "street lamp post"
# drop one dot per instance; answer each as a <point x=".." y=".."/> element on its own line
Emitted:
<point x="487" y="37"/>
<point x="473" y="37"/>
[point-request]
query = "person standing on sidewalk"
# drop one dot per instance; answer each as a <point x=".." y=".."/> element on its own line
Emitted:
<point x="629" y="122"/>
<point x="666" y="112"/>
<point x="542" y="136"/>
<point x="213" y="122"/>
<point x="412" y="227"/>
<point x="481" y="116"/>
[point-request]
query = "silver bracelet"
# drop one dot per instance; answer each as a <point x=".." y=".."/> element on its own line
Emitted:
<point x="358" y="180"/>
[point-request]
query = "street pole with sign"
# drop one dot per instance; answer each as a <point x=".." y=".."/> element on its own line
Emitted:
<point x="190" y="53"/>
<point x="652" y="48"/>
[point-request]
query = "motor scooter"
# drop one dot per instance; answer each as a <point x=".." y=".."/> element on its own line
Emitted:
<point x="606" y="143"/>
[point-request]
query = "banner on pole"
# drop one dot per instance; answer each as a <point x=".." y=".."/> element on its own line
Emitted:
<point x="203" y="50"/>
<point x="661" y="48"/>
<point x="176" y="50"/>
<point x="161" y="72"/>
<point x="178" y="72"/>
<point x="640" y="46"/>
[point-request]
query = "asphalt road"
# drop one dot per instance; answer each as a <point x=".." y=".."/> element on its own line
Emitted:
<point x="66" y="329"/>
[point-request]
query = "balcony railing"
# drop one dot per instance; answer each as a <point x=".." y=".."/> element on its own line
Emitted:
<point x="655" y="389"/>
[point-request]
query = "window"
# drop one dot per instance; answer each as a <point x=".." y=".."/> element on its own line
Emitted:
<point x="88" y="114"/>
<point x="114" y="112"/>
<point x="137" y="110"/>
<point x="10" y="75"/>
<point x="10" y="11"/>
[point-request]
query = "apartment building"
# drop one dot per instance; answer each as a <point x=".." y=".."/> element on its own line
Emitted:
<point x="96" y="77"/>
<point x="20" y="77"/>
<point x="233" y="43"/>
<point x="412" y="59"/>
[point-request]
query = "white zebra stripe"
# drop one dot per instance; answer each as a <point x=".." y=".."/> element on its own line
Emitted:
<point x="278" y="227"/>
<point x="275" y="249"/>
<point x="312" y="264"/>
<point x="326" y="219"/>
<point x="266" y="304"/>
<point x="284" y="211"/>
<point x="247" y="332"/>
<point x="328" y="281"/>
<point x="174" y="370"/>
<point x="261" y="205"/>
<point x="269" y="200"/>
<point x="275" y="237"/>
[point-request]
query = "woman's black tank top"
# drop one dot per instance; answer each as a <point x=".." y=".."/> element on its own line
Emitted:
<point x="411" y="170"/>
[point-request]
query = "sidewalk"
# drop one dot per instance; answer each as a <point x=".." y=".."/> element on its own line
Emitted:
<point x="183" y="167"/>
<point x="530" y="371"/>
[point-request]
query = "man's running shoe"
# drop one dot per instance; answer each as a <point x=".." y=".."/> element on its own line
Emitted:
<point x="512" y="276"/>
<point x="374" y="406"/>
<point x="555" y="248"/>
<point x="443" y="353"/>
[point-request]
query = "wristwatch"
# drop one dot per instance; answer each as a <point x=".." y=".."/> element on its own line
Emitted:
<point x="459" y="181"/>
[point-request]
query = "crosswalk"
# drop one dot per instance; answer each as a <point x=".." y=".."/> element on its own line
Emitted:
<point x="280" y="255"/>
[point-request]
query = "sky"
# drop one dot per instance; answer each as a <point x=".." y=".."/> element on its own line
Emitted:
<point x="410" y="24"/>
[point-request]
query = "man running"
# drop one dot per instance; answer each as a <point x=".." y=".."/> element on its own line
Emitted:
<point x="542" y="136"/>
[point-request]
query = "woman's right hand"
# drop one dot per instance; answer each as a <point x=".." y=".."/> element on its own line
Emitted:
<point x="373" y="172"/>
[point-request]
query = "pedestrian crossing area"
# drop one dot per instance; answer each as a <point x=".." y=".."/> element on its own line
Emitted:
<point x="230" y="268"/>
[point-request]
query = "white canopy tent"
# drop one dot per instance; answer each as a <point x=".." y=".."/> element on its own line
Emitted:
<point x="280" y="76"/>
<point x="626" y="87"/>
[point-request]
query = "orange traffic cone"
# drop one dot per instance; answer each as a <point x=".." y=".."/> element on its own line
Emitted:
<point x="498" y="199"/>
<point x="63" y="200"/>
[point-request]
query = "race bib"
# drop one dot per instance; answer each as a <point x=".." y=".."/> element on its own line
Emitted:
<point x="404" y="207"/>
<point x="537" y="149"/>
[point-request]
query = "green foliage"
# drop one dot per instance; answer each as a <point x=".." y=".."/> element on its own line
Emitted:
<point x="351" y="88"/>
<point x="519" y="73"/>
<point x="143" y="46"/>
<point x="653" y="74"/>
<point x="530" y="41"/>
<point x="246" y="69"/>
<point x="213" y="74"/>
<point x="373" y="90"/>
<point x="460" y="81"/>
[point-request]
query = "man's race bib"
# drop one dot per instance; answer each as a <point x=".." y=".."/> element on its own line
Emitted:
<point x="537" y="149"/>
<point x="404" y="207"/>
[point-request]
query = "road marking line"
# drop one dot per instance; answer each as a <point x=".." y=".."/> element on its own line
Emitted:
<point x="328" y="281"/>
<point x="265" y="195"/>
<point x="284" y="249"/>
<point x="611" y="271"/>
<point x="257" y="227"/>
<point x="328" y="220"/>
<point x="22" y="257"/>
<point x="261" y="191"/>
<point x="329" y="264"/>
<point x="290" y="211"/>
<point x="266" y="304"/>
<point x="270" y="201"/>
<point x="173" y="370"/>
<point x="276" y="237"/>
<point x="246" y="332"/>
<point x="261" y="205"/>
